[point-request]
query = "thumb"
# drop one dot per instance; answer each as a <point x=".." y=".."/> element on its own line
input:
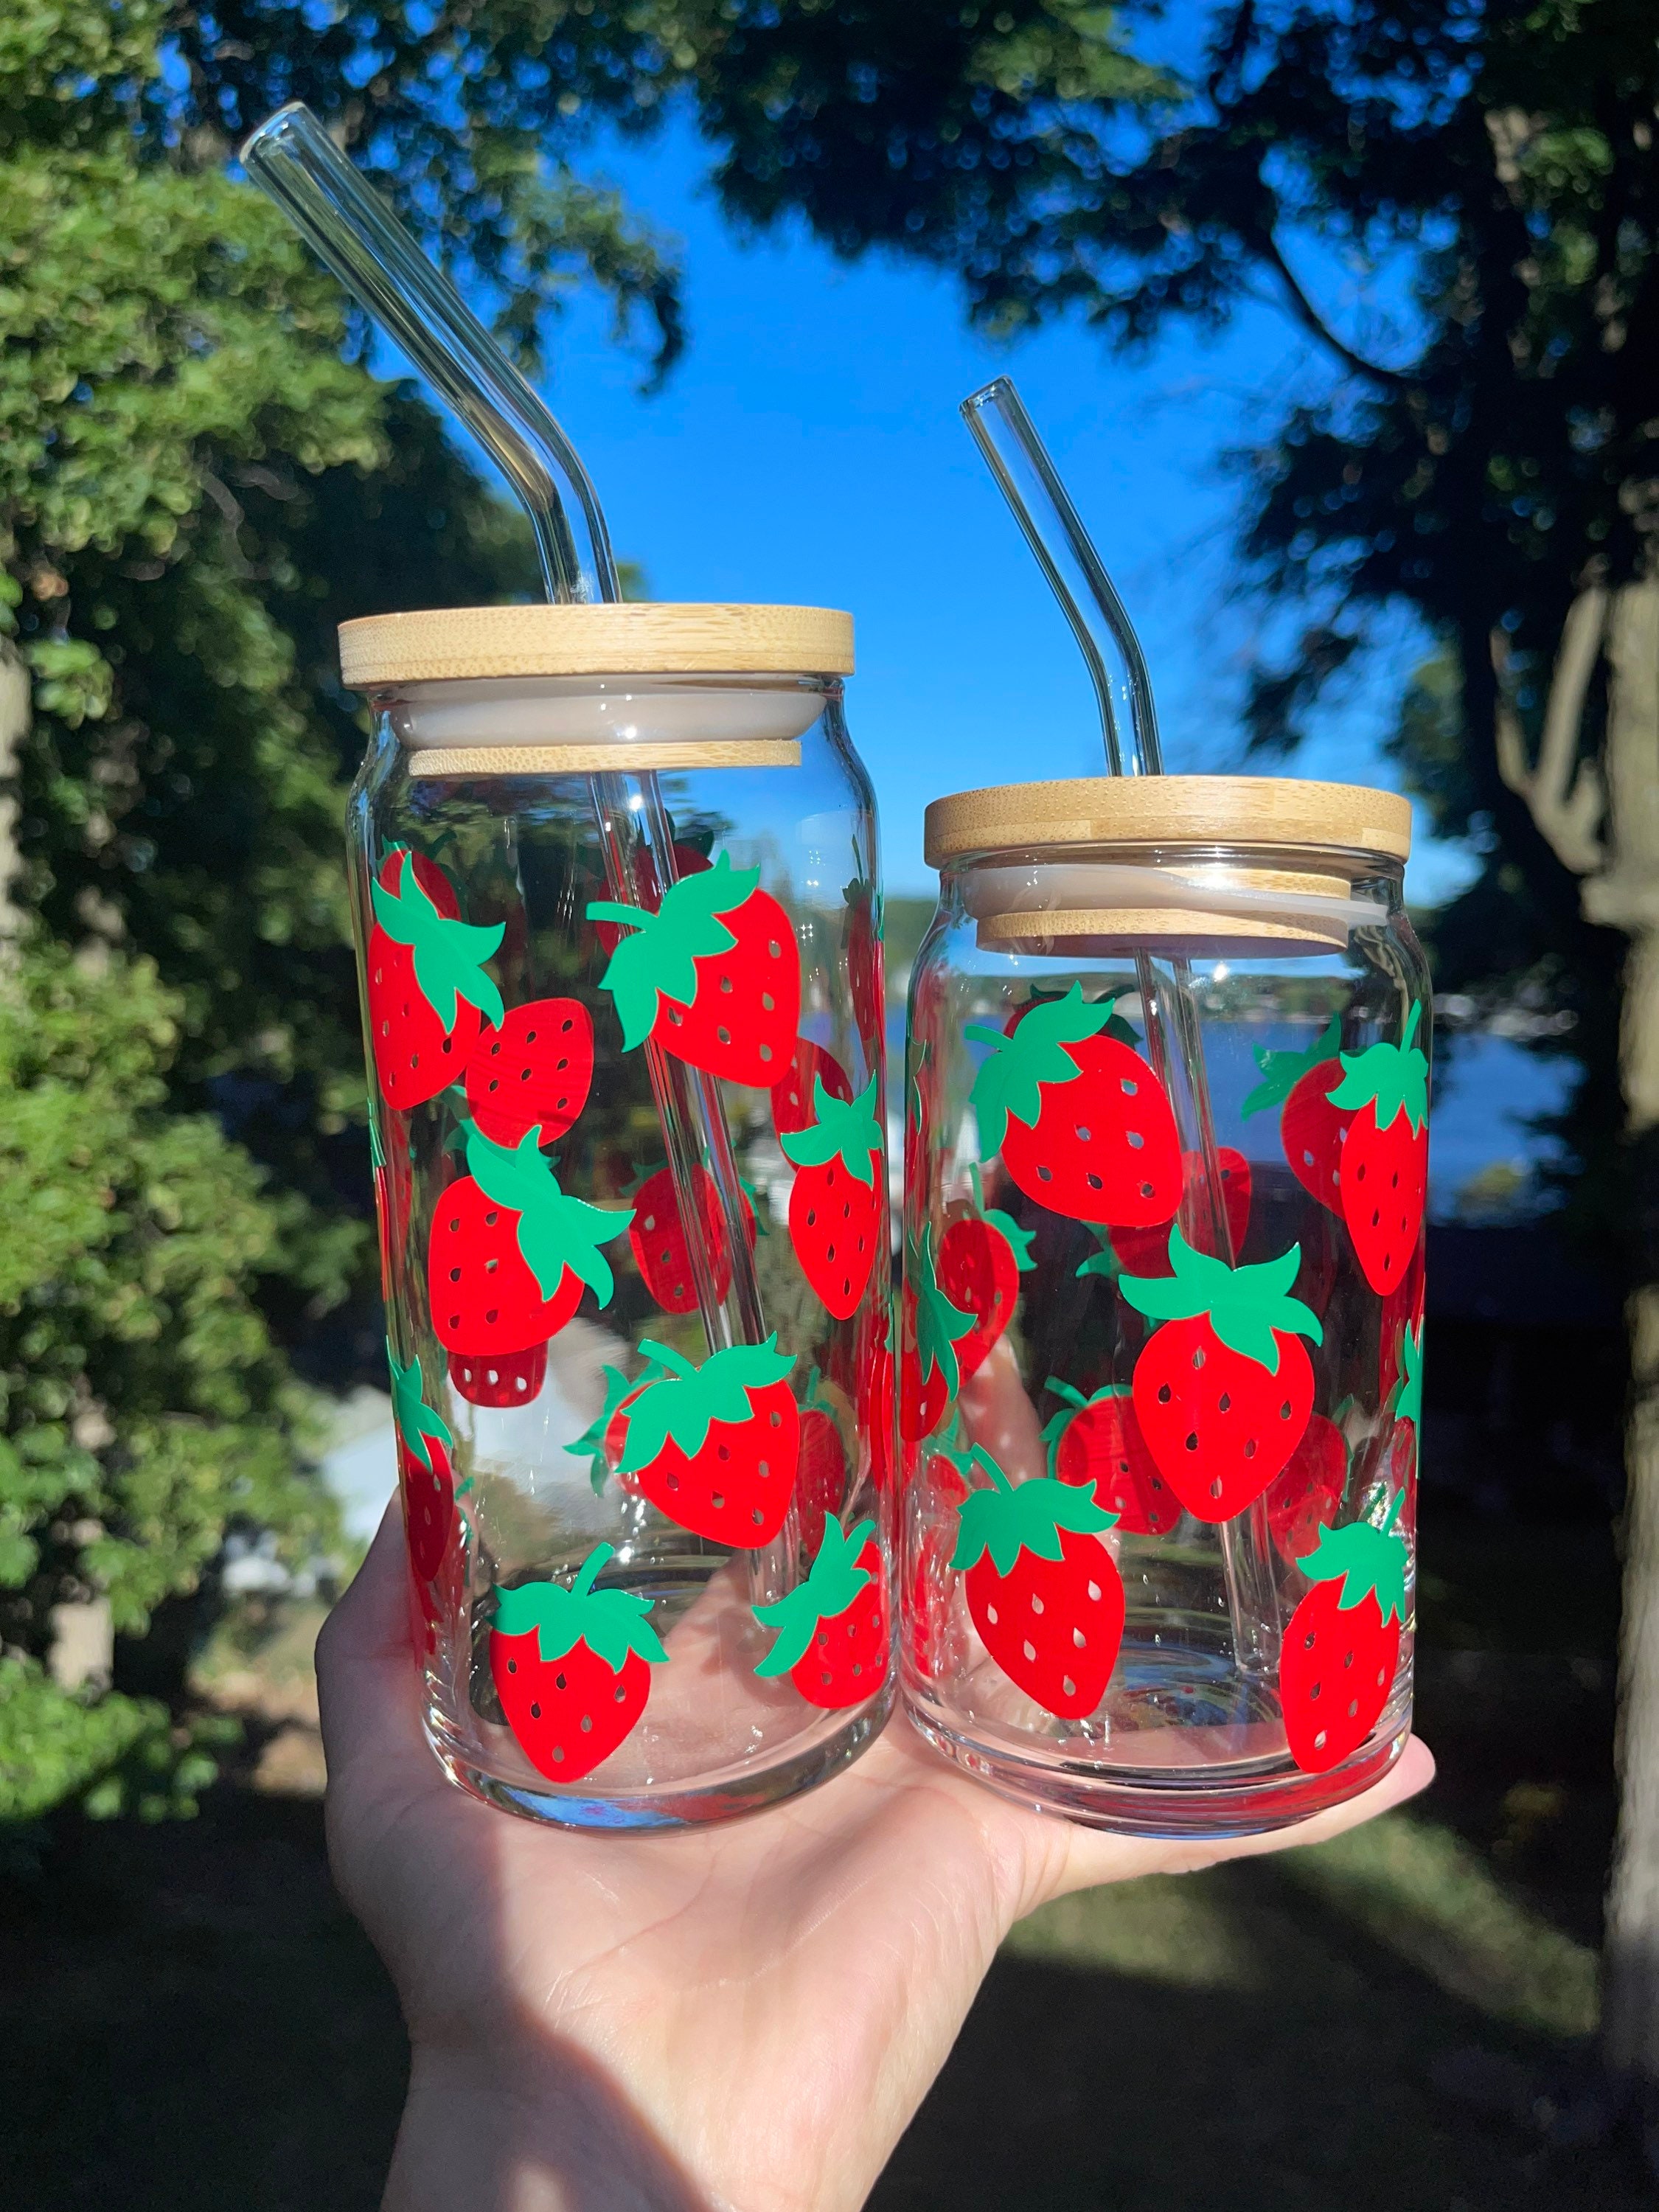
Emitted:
<point x="367" y="1684"/>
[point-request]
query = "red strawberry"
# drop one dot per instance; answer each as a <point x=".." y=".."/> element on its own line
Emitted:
<point x="1310" y="1128"/>
<point x="1402" y="1309"/>
<point x="877" y="1412"/>
<point x="504" y="1378"/>
<point x="930" y="1373"/>
<point x="834" y="1641"/>
<point x="1308" y="1496"/>
<point x="1043" y="1590"/>
<point x="865" y="968"/>
<point x="792" y="1099"/>
<point x="821" y="1474"/>
<point x="393" y="1189"/>
<point x="981" y="1258"/>
<point x="1400" y="1452"/>
<point x="572" y="1668"/>
<point x="713" y="975"/>
<point x="534" y="1071"/>
<point x="1146" y="1251"/>
<point x="714" y="1447"/>
<point x="510" y="1254"/>
<point x="837" y="1205"/>
<point x="427" y="989"/>
<point x="659" y="1243"/>
<point x="424" y="1469"/>
<point x="1082" y="1122"/>
<point x="1223" y="1390"/>
<point x="1097" y="1442"/>
<point x="1385" y="1156"/>
<point x="1342" y="1649"/>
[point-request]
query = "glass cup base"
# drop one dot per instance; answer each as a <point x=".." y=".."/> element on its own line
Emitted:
<point x="663" y="1807"/>
<point x="1250" y="1797"/>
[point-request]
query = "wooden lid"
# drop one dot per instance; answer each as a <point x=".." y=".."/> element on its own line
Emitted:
<point x="1273" y="811"/>
<point x="636" y="638"/>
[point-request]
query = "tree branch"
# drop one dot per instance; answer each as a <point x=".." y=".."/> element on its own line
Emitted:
<point x="1314" y="324"/>
<point x="1563" y="794"/>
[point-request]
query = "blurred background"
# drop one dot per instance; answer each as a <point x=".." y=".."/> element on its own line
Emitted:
<point x="1342" y="322"/>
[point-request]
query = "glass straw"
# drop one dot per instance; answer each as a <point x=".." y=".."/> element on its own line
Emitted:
<point x="355" y="236"/>
<point x="1028" y="479"/>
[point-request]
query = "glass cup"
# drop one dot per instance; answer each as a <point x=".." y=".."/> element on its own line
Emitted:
<point x="1162" y="1317"/>
<point x="619" y="918"/>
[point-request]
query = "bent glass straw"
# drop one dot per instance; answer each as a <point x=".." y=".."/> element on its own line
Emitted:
<point x="1029" y="481"/>
<point x="356" y="237"/>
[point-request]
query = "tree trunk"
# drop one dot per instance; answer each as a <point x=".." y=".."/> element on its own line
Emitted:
<point x="1626" y="896"/>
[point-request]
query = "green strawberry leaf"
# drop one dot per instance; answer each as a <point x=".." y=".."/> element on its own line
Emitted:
<point x="1019" y="1241"/>
<point x="1408" y="1392"/>
<point x="1369" y="1561"/>
<point x="1282" y="1071"/>
<point x="449" y="955"/>
<point x="1248" y="1308"/>
<point x="1011" y="1076"/>
<point x="590" y="1445"/>
<point x="1057" y="1424"/>
<point x="658" y="961"/>
<point x="839" y="1129"/>
<point x="832" y="1584"/>
<point x="1105" y="1261"/>
<point x="940" y="1325"/>
<point x="415" y="1420"/>
<point x="376" y="1149"/>
<point x="689" y="1399"/>
<point x="1116" y="1027"/>
<point x="612" y="1623"/>
<point x="1005" y="1521"/>
<point x="554" y="1231"/>
<point x="1390" y="1079"/>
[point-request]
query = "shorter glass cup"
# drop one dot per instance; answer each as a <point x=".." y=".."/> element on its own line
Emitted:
<point x="1161" y="1326"/>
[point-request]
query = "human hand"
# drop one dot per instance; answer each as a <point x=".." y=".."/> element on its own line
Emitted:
<point x="742" y="2018"/>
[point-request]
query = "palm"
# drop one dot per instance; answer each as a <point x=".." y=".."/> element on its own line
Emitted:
<point x="747" y="2015"/>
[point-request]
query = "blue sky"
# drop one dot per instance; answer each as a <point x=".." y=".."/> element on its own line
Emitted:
<point x="808" y="448"/>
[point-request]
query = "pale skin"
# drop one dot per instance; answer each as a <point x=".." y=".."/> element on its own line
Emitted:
<point x="738" y="2019"/>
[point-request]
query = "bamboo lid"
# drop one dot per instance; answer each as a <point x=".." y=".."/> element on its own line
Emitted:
<point x="1278" y="812"/>
<point x="635" y="638"/>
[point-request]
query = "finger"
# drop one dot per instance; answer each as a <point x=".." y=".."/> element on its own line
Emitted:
<point x="1090" y="1857"/>
<point x="367" y="1683"/>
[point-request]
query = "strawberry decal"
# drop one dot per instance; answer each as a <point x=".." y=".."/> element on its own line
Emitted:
<point x="1146" y="1251"/>
<point x="1044" y="1592"/>
<point x="499" y="1379"/>
<point x="833" y="1638"/>
<point x="821" y="1474"/>
<point x="981" y="1260"/>
<point x="427" y="991"/>
<point x="792" y="1099"/>
<point x="1224" y="1388"/>
<point x="1385" y="1156"/>
<point x="1083" y="1124"/>
<point x="572" y="1668"/>
<point x="1408" y="1411"/>
<point x="657" y="1241"/>
<point x="532" y="1071"/>
<point x="1341" y="1647"/>
<point x="424" y="1469"/>
<point x="601" y="1442"/>
<point x="715" y="1447"/>
<point x="1311" y="1129"/>
<point x="1096" y="1443"/>
<point x="393" y="1191"/>
<point x="930" y="1373"/>
<point x="1308" y="1496"/>
<point x="713" y="976"/>
<point x="509" y="1254"/>
<point x="835" y="1211"/>
<point x="877" y="1411"/>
